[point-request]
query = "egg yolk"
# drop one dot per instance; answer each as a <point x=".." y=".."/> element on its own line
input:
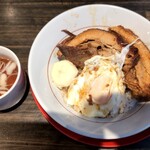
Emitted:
<point x="100" y="89"/>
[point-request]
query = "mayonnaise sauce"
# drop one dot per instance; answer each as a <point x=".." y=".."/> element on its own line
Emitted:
<point x="120" y="58"/>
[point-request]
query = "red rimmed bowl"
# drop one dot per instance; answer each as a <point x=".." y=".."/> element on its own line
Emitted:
<point x="43" y="55"/>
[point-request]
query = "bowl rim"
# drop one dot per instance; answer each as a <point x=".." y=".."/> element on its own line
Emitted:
<point x="90" y="141"/>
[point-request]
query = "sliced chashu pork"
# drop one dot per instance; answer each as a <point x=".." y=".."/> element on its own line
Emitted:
<point x="137" y="77"/>
<point x="91" y="42"/>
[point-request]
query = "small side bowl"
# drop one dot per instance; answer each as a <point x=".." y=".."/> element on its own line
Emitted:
<point x="17" y="90"/>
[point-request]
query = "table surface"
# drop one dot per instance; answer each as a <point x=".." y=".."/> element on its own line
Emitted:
<point x="23" y="126"/>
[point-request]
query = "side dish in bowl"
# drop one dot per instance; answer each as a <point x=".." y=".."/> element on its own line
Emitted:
<point x="8" y="74"/>
<point x="12" y="79"/>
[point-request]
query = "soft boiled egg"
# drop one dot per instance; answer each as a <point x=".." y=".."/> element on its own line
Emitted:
<point x="99" y="90"/>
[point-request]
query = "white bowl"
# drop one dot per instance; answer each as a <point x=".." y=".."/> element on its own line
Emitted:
<point x="42" y="56"/>
<point x="16" y="92"/>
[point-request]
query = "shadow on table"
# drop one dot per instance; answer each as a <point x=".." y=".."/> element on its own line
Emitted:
<point x="43" y="135"/>
<point x="36" y="136"/>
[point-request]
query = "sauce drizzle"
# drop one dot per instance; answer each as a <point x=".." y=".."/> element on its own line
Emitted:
<point x="121" y="57"/>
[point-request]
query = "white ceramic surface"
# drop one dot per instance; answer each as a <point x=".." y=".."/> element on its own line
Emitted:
<point x="16" y="92"/>
<point x="43" y="55"/>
